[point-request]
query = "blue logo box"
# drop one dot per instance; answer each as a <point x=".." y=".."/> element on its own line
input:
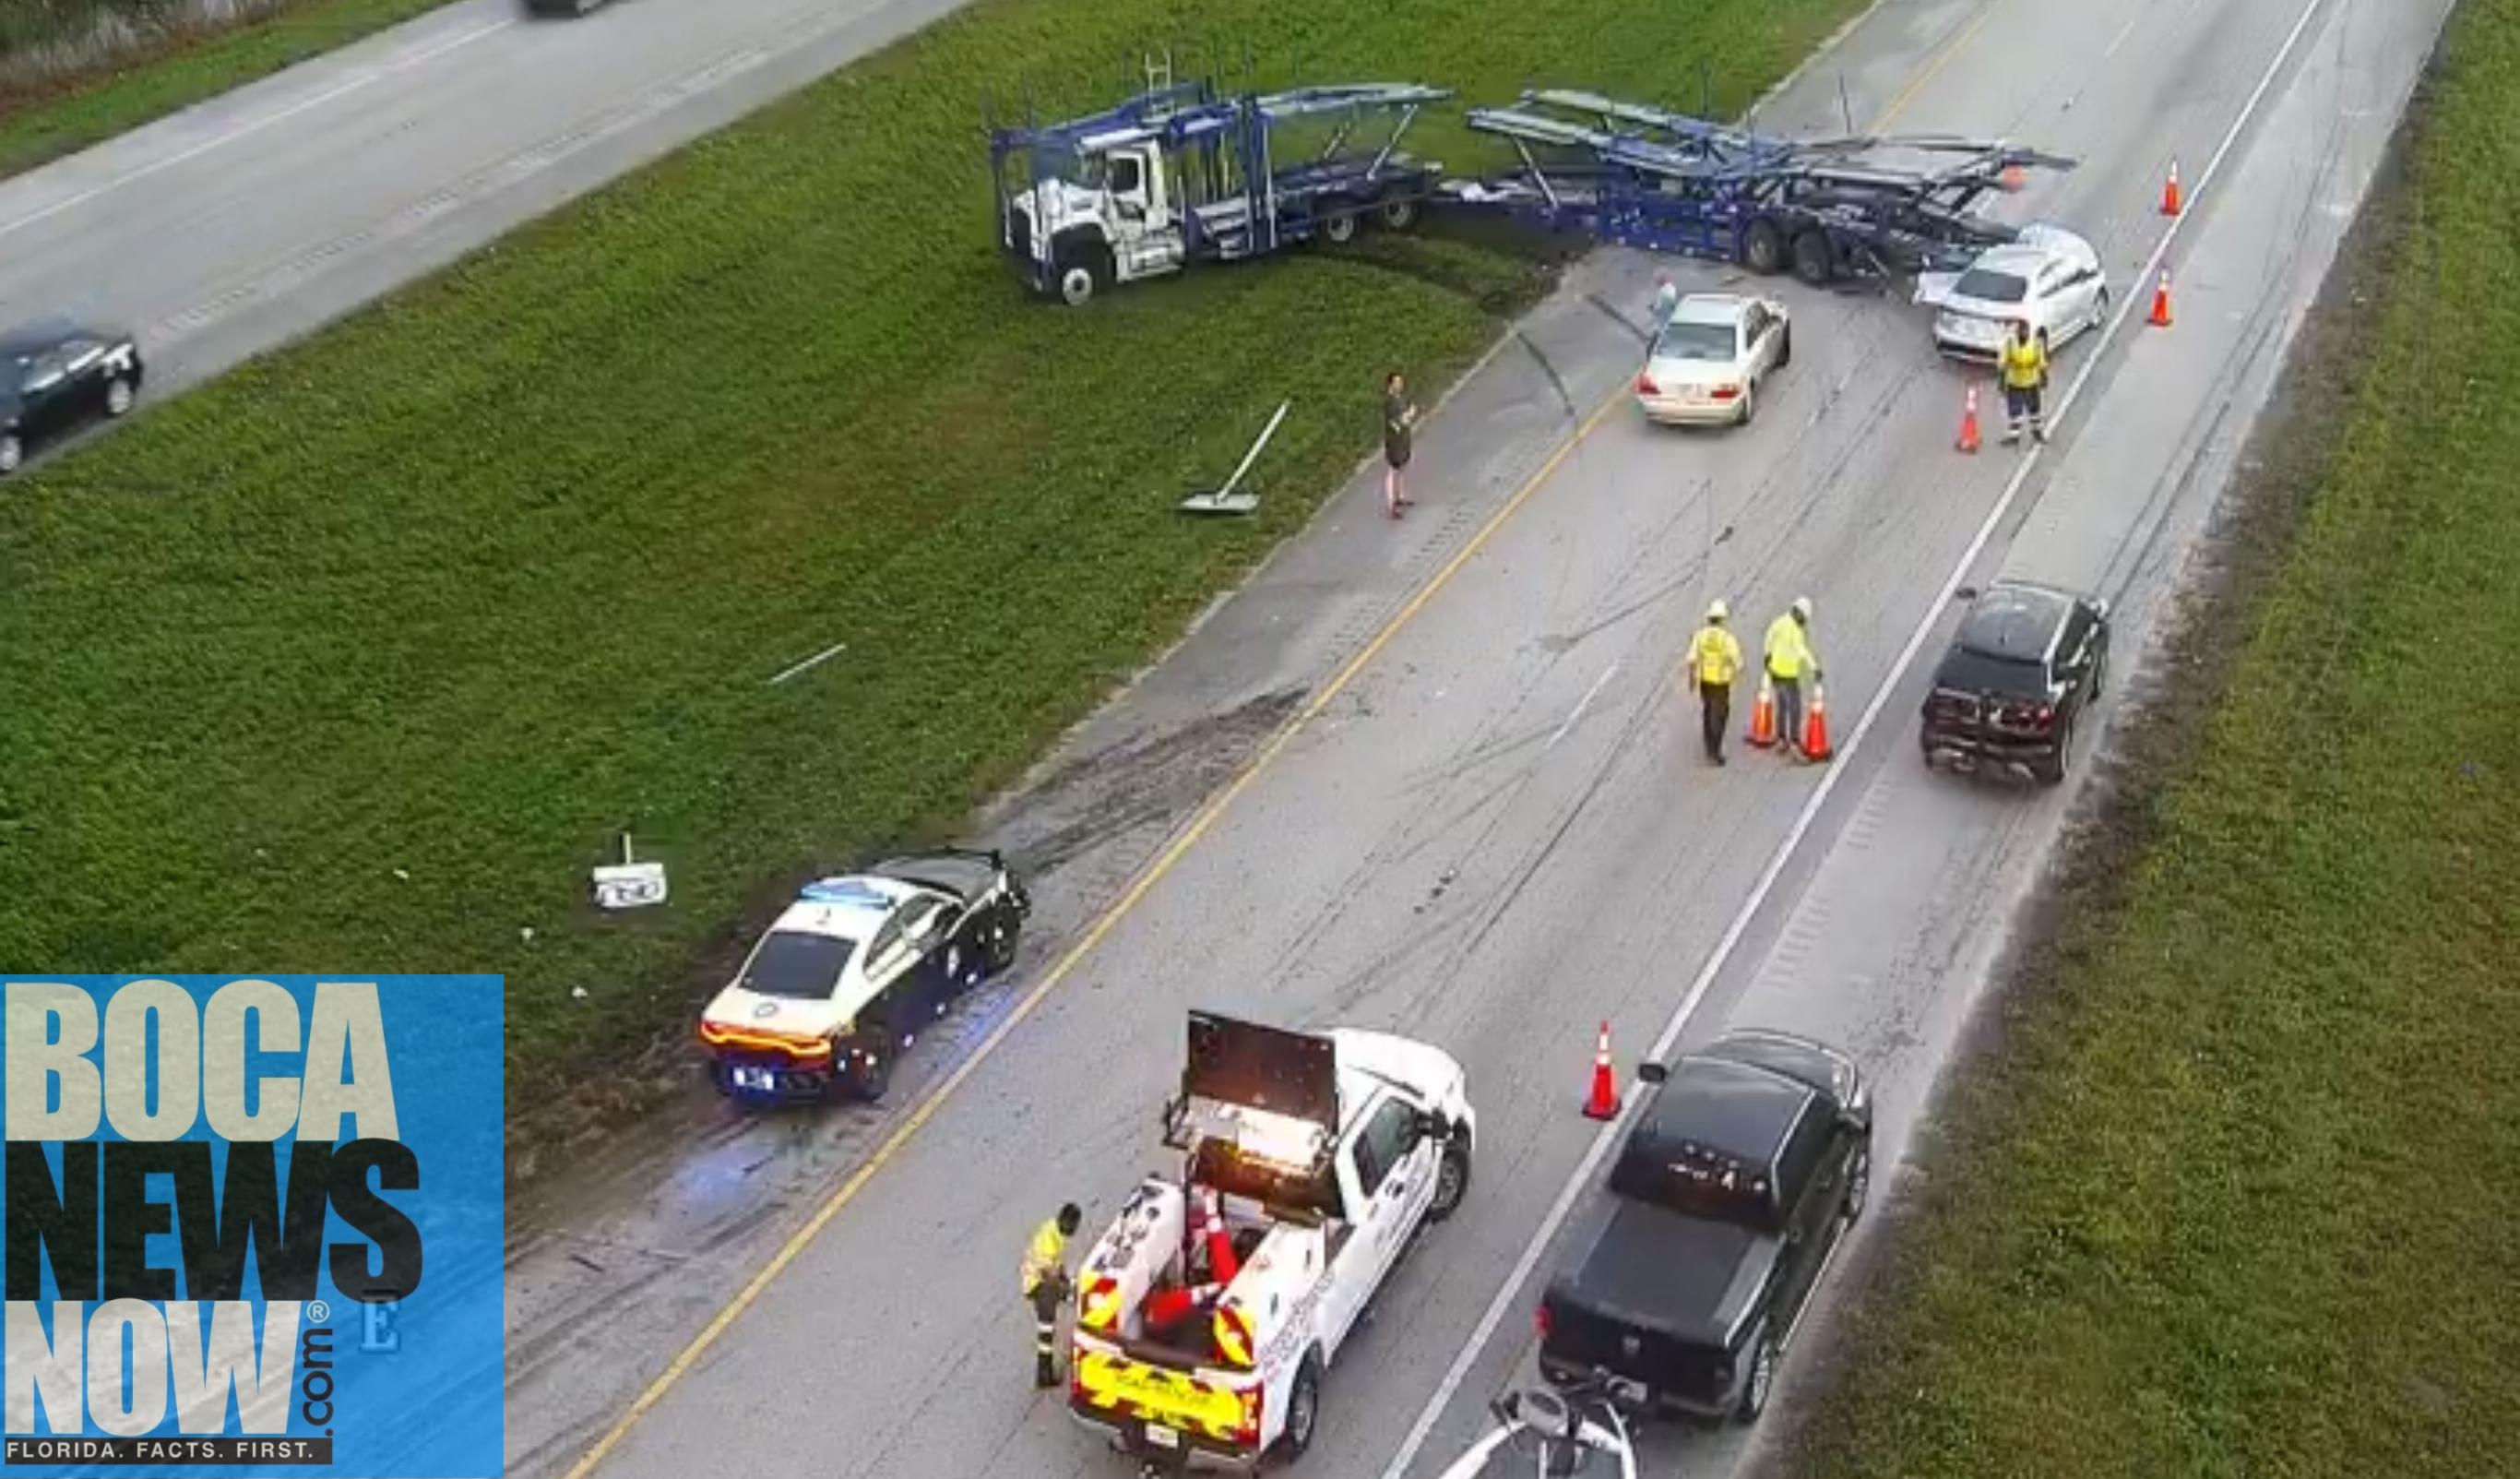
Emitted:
<point x="255" y="1226"/>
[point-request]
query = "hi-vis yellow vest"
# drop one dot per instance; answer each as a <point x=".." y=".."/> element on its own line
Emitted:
<point x="2025" y="363"/>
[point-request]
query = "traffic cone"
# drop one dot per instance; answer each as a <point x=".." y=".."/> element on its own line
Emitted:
<point x="2170" y="190"/>
<point x="1604" y="1101"/>
<point x="1763" y="715"/>
<point x="1816" y="727"/>
<point x="2161" y="301"/>
<point x="1969" y="442"/>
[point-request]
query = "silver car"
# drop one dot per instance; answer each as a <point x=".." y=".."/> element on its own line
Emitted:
<point x="1710" y="360"/>
<point x="1541" y="1434"/>
<point x="2049" y="279"/>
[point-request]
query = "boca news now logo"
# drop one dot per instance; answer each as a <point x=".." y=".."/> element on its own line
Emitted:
<point x="253" y="1225"/>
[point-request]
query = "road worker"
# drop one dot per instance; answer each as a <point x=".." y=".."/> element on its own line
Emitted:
<point x="1045" y="1287"/>
<point x="1789" y="656"/>
<point x="1714" y="659"/>
<point x="2024" y="362"/>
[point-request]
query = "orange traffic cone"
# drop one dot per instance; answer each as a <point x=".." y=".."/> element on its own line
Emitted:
<point x="1816" y="727"/>
<point x="2170" y="190"/>
<point x="1763" y="715"/>
<point x="1604" y="1101"/>
<point x="1969" y="442"/>
<point x="2161" y="301"/>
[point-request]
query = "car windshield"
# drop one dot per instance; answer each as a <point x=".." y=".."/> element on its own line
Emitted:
<point x="1990" y="287"/>
<point x="795" y="965"/>
<point x="1700" y="341"/>
<point x="1981" y="673"/>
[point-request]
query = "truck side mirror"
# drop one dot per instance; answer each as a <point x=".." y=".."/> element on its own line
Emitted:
<point x="1653" y="1071"/>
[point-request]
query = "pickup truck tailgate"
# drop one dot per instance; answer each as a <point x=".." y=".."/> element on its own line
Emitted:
<point x="1666" y="1285"/>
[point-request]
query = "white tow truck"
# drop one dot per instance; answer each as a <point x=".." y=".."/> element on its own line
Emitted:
<point x="1209" y="1311"/>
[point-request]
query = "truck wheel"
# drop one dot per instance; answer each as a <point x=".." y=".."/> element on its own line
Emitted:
<point x="1763" y="249"/>
<point x="118" y="396"/>
<point x="1303" y="1410"/>
<point x="1083" y="272"/>
<point x="1340" y="228"/>
<point x="1451" y="1182"/>
<point x="1399" y="214"/>
<point x="13" y="453"/>
<point x="2050" y="770"/>
<point x="1813" y="261"/>
<point x="1859" y="1184"/>
<point x="1761" y="1380"/>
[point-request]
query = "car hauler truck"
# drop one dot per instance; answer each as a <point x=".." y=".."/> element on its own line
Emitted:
<point x="1180" y="175"/>
<point x="1209" y="1312"/>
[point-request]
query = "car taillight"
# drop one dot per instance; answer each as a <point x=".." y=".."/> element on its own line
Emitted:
<point x="1232" y="1337"/>
<point x="2043" y="716"/>
<point x="1645" y="385"/>
<point x="1540" y="1320"/>
<point x="1101" y="1304"/>
<point x="1248" y="1430"/>
<point x="1725" y="392"/>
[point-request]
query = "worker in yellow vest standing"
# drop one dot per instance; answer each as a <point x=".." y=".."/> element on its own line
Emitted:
<point x="1789" y="656"/>
<point x="1714" y="659"/>
<point x="1045" y="1287"/>
<point x="2024" y="361"/>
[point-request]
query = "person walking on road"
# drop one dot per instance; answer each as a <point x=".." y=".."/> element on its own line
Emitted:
<point x="1666" y="300"/>
<point x="1789" y="655"/>
<point x="1045" y="1287"/>
<point x="1714" y="659"/>
<point x="1399" y="425"/>
<point x="2024" y="361"/>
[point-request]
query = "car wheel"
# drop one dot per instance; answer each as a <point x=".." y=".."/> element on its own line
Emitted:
<point x="1763" y="249"/>
<point x="1399" y="215"/>
<point x="875" y="1079"/>
<point x="1451" y="1182"/>
<point x="1859" y="1184"/>
<point x="1749" y="402"/>
<point x="1339" y="229"/>
<point x="118" y="396"/>
<point x="13" y="453"/>
<point x="1760" y="1381"/>
<point x="2052" y="766"/>
<point x="1785" y="347"/>
<point x="999" y="941"/>
<point x="1303" y="1410"/>
<point x="2100" y="310"/>
<point x="1814" y="263"/>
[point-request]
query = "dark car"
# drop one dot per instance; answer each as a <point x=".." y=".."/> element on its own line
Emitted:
<point x="850" y="974"/>
<point x="1749" y="1161"/>
<point x="560" y="6"/>
<point x="2026" y="663"/>
<point x="54" y="377"/>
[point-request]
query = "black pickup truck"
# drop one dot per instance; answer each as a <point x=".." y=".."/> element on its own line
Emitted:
<point x="1747" y="1163"/>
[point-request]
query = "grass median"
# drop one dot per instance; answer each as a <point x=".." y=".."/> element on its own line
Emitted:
<point x="360" y="658"/>
<point x="2235" y="1195"/>
<point x="43" y="121"/>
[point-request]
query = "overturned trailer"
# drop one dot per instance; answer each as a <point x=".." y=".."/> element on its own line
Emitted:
<point x="1181" y="174"/>
<point x="1831" y="209"/>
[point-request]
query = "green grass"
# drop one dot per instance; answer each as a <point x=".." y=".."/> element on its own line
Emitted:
<point x="2236" y="1196"/>
<point x="359" y="658"/>
<point x="43" y="123"/>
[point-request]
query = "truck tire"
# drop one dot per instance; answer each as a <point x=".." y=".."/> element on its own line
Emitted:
<point x="1451" y="1182"/>
<point x="1859" y="1184"/>
<point x="1399" y="214"/>
<point x="1760" y="1380"/>
<point x="1340" y="226"/>
<point x="13" y="453"/>
<point x="2050" y="768"/>
<point x="1763" y="248"/>
<point x="1815" y="262"/>
<point x="1303" y="1412"/>
<point x="1083" y="270"/>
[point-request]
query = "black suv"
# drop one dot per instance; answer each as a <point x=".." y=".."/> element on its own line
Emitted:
<point x="56" y="374"/>
<point x="2026" y="663"/>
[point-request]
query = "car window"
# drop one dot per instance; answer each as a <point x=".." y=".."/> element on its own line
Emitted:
<point x="1801" y="1157"/>
<point x="1705" y="343"/>
<point x="886" y="938"/>
<point x="44" y="369"/>
<point x="2078" y="628"/>
<point x="1128" y="176"/>
<point x="1990" y="287"/>
<point x="915" y="913"/>
<point x="795" y="964"/>
<point x="1379" y="1146"/>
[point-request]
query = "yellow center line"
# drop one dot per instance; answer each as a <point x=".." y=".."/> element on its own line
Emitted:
<point x="1153" y="874"/>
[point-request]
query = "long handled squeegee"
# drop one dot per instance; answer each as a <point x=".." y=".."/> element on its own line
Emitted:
<point x="1225" y="500"/>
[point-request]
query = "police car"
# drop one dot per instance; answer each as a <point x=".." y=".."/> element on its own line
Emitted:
<point x="850" y="974"/>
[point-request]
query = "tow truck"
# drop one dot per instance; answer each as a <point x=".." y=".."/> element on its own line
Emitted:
<point x="1182" y="174"/>
<point x="1837" y="210"/>
<point x="1210" y="1310"/>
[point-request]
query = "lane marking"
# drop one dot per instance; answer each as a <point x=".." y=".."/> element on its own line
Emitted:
<point x="1582" y="704"/>
<point x="817" y="659"/>
<point x="1164" y="862"/>
<point x="1934" y="66"/>
<point x="404" y="63"/>
<point x="1603" y="1138"/>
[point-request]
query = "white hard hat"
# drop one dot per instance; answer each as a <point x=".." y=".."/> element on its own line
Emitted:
<point x="1802" y="606"/>
<point x="1718" y="611"/>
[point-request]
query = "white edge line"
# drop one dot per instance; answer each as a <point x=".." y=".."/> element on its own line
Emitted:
<point x="817" y="659"/>
<point x="1602" y="1139"/>
<point x="1586" y="702"/>
<point x="405" y="63"/>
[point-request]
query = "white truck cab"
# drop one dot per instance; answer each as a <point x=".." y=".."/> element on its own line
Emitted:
<point x="1210" y="1309"/>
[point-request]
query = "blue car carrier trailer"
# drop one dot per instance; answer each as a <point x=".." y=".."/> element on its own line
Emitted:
<point x="1181" y="174"/>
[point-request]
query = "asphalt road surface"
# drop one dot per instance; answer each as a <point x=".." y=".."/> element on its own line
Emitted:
<point x="229" y="228"/>
<point x="1439" y="777"/>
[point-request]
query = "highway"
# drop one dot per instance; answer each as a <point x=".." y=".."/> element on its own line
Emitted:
<point x="1439" y="777"/>
<point x="249" y="219"/>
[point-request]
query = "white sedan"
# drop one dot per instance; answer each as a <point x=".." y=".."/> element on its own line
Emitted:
<point x="1710" y="359"/>
<point x="2050" y="279"/>
<point x="1541" y="1434"/>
